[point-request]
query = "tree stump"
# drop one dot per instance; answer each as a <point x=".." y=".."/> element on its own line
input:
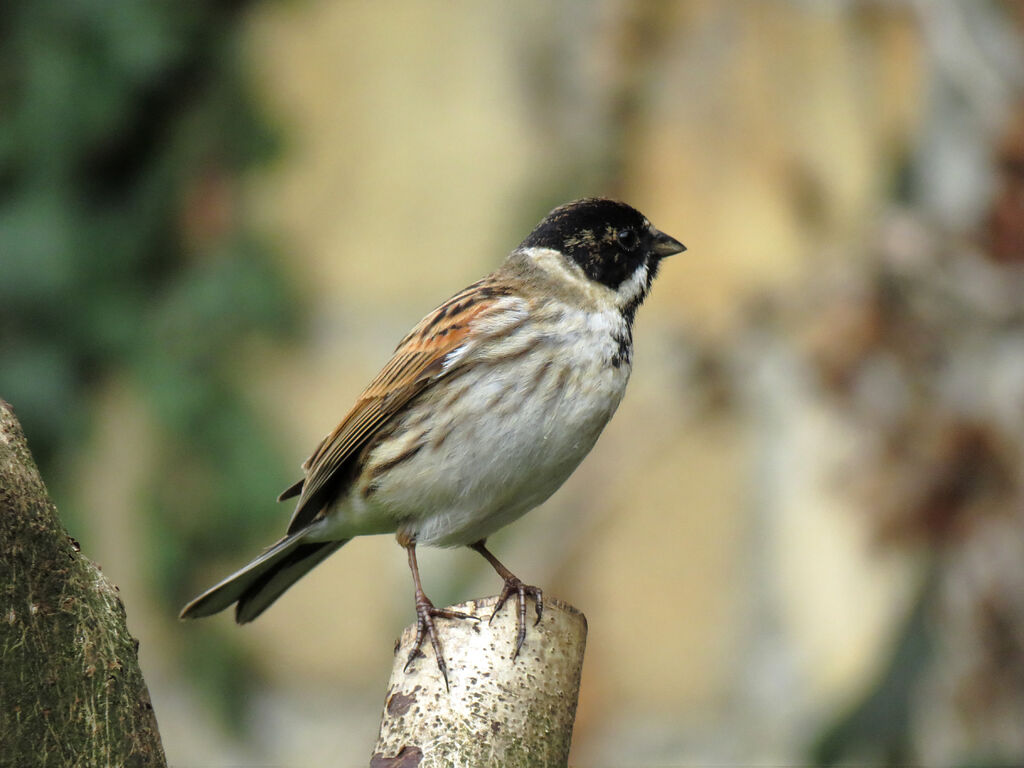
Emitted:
<point x="498" y="712"/>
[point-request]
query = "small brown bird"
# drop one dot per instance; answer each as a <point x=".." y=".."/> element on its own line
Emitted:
<point x="485" y="409"/>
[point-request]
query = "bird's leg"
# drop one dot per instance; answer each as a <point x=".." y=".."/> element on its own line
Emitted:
<point x="425" y="615"/>
<point x="512" y="584"/>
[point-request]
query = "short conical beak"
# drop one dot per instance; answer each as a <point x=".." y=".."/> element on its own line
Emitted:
<point x="663" y="245"/>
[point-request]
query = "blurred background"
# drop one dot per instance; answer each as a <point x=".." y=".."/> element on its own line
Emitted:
<point x="801" y="539"/>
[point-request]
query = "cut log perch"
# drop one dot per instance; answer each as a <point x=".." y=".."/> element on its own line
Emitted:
<point x="498" y="712"/>
<point x="71" y="692"/>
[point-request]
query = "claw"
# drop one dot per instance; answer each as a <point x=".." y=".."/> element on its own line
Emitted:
<point x="425" y="615"/>
<point x="425" y="626"/>
<point x="512" y="584"/>
<point x="425" y="612"/>
<point x="522" y="591"/>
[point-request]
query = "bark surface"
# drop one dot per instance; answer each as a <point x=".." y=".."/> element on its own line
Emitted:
<point x="71" y="691"/>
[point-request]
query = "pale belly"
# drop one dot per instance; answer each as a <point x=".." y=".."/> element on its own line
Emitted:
<point x="499" y="449"/>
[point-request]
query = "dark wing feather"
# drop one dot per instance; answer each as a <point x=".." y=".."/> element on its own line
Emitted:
<point x="292" y="490"/>
<point x="418" y="361"/>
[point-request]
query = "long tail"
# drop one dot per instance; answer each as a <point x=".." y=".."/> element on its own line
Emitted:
<point x="262" y="581"/>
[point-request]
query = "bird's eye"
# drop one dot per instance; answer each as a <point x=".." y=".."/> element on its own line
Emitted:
<point x="627" y="238"/>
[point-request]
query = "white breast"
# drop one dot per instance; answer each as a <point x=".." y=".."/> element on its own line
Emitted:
<point x="497" y="438"/>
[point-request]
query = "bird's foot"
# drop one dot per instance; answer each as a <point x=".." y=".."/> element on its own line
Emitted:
<point x="514" y="586"/>
<point x="425" y="615"/>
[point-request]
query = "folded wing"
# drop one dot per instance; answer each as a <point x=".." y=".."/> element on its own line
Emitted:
<point x="439" y="344"/>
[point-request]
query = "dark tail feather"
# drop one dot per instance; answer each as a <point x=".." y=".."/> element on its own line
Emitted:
<point x="273" y="584"/>
<point x="262" y="581"/>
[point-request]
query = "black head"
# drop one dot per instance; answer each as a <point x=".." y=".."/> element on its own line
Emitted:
<point x="609" y="240"/>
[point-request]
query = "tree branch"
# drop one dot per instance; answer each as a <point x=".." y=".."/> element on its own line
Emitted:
<point x="71" y="689"/>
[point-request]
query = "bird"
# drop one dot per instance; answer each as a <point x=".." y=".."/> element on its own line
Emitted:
<point x="483" y="411"/>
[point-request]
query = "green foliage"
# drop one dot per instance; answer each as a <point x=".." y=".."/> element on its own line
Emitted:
<point x="124" y="129"/>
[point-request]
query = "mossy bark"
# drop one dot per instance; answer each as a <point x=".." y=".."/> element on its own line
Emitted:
<point x="71" y="691"/>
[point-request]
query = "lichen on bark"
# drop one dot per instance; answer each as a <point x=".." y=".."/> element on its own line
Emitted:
<point x="71" y="689"/>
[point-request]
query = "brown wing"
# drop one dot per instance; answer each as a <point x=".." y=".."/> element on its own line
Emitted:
<point x="419" y="359"/>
